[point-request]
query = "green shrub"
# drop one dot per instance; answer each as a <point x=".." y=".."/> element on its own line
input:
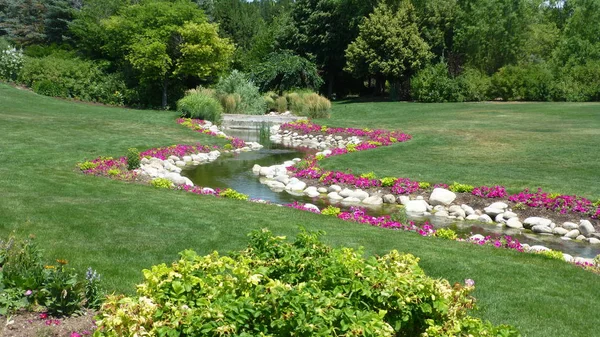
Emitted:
<point x="21" y="263"/>
<point x="424" y="185"/>
<point x="461" y="188"/>
<point x="200" y="105"/>
<point x="87" y="165"/>
<point x="233" y="194"/>
<point x="284" y="71"/>
<point x="529" y="82"/>
<point x="317" y="105"/>
<point x="113" y="172"/>
<point x="300" y="288"/>
<point x="161" y="183"/>
<point x="369" y="175"/>
<point x="250" y="101"/>
<point x="63" y="294"/>
<point x="388" y="181"/>
<point x="296" y="103"/>
<point x="400" y="215"/>
<point x="579" y="83"/>
<point x="133" y="158"/>
<point x="331" y="210"/>
<point x="446" y="233"/>
<point x="473" y="85"/>
<point x="230" y="103"/>
<point x="552" y="254"/>
<point x="270" y="102"/>
<point x="72" y="78"/>
<point x="433" y="84"/>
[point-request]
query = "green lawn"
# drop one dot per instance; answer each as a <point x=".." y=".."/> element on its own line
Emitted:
<point x="519" y="145"/>
<point x="121" y="228"/>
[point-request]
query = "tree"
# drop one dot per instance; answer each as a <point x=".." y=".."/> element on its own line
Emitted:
<point x="285" y="71"/>
<point x="166" y="40"/>
<point x="388" y="46"/>
<point x="22" y="21"/>
<point x="580" y="40"/>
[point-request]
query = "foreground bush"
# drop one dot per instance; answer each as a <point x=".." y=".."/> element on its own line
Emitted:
<point x="27" y="282"/>
<point x="71" y="77"/>
<point x="300" y="288"/>
<point x="200" y="104"/>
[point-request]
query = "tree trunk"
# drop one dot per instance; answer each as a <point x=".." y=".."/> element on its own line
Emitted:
<point x="164" y="93"/>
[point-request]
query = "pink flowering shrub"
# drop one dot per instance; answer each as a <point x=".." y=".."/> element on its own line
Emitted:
<point x="560" y="203"/>
<point x="405" y="186"/>
<point x="490" y="192"/>
<point x="176" y="150"/>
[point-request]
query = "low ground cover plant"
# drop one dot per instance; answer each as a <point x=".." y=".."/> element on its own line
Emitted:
<point x="27" y="281"/>
<point x="277" y="287"/>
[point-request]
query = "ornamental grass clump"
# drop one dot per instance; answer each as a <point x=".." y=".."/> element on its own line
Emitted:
<point x="278" y="287"/>
<point x="200" y="105"/>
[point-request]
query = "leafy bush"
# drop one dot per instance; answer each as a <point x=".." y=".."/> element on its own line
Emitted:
<point x="71" y="77"/>
<point x="530" y="82"/>
<point x="424" y="185"/>
<point x="281" y="104"/>
<point x="87" y="165"/>
<point x="446" y="233"/>
<point x="473" y="85"/>
<point x="11" y="62"/>
<point x="579" y="83"/>
<point x="331" y="210"/>
<point x="198" y="104"/>
<point x="25" y="280"/>
<point x="300" y="288"/>
<point x="369" y="175"/>
<point x="552" y="254"/>
<point x="433" y="84"/>
<point x="161" y="183"/>
<point x="133" y="158"/>
<point x="461" y="188"/>
<point x="250" y="101"/>
<point x="233" y="194"/>
<point x="285" y="71"/>
<point x="387" y="181"/>
<point x="230" y="103"/>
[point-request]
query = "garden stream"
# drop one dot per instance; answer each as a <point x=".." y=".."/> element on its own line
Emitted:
<point x="235" y="171"/>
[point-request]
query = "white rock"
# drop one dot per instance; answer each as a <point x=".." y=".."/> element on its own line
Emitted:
<point x="144" y="161"/>
<point x="514" y="223"/>
<point x="208" y="190"/>
<point x="472" y="217"/>
<point x="500" y="205"/>
<point x="334" y="196"/>
<point x="346" y="192"/>
<point x="459" y="213"/>
<point x="439" y="208"/>
<point x="351" y="200"/>
<point x="572" y="234"/>
<point x="454" y="208"/>
<point x="373" y="200"/>
<point x="594" y="241"/>
<point x="567" y="257"/>
<point x="416" y="206"/>
<point x="538" y="248"/>
<point x="492" y="211"/>
<point x="202" y="157"/>
<point x="499" y="218"/>
<point x="322" y="190"/>
<point x="175" y="178"/>
<point x="282" y="179"/>
<point x="174" y="158"/>
<point x="509" y="215"/>
<point x="560" y="231"/>
<point x="580" y="238"/>
<point x="570" y="225"/>
<point x="419" y="198"/>
<point x="441" y="214"/>
<point x="266" y="171"/>
<point x="188" y="182"/>
<point x="583" y="260"/>
<point x="389" y="199"/>
<point x="334" y="188"/>
<point x="256" y="169"/>
<point x="441" y="196"/>
<point x="541" y="229"/>
<point x="535" y="221"/>
<point x="295" y="185"/>
<point x="311" y="206"/>
<point x="586" y="228"/>
<point x="404" y="200"/>
<point x="477" y="237"/>
<point x="311" y="192"/>
<point x="276" y="185"/>
<point x="485" y="218"/>
<point x="359" y="194"/>
<point x="180" y="163"/>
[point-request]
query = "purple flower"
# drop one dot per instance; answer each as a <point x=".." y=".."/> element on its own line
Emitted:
<point x="469" y="283"/>
<point x="28" y="292"/>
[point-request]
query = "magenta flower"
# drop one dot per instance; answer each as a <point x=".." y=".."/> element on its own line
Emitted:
<point x="74" y="334"/>
<point x="28" y="292"/>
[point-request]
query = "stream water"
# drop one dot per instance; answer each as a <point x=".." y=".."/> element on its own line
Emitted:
<point x="235" y="171"/>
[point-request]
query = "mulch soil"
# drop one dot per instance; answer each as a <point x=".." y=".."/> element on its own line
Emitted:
<point x="30" y="324"/>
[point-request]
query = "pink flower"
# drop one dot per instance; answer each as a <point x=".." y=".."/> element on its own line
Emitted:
<point x="43" y="315"/>
<point x="28" y="292"/>
<point x="469" y="283"/>
<point x="74" y="334"/>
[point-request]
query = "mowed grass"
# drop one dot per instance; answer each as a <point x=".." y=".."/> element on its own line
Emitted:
<point x="120" y="228"/>
<point x="519" y="145"/>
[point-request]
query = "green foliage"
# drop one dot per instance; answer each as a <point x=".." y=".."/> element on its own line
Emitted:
<point x="597" y="260"/>
<point x="331" y="210"/>
<point x="93" y="292"/>
<point x="553" y="254"/>
<point x="275" y="287"/>
<point x="369" y="175"/>
<point x="243" y="92"/>
<point x="307" y="103"/>
<point x="461" y="188"/>
<point x="424" y="185"/>
<point x="400" y="215"/>
<point x="166" y="41"/>
<point x="201" y="105"/>
<point x="133" y="158"/>
<point x="596" y="203"/>
<point x="233" y="194"/>
<point x="161" y="183"/>
<point x="387" y="181"/>
<point x="281" y="104"/>
<point x="285" y="71"/>
<point x="530" y="82"/>
<point x="63" y="294"/>
<point x="579" y="83"/>
<point x="433" y="84"/>
<point x="87" y="165"/>
<point x="388" y="45"/>
<point x="72" y="78"/>
<point x="473" y="85"/>
<point x="21" y="263"/>
<point x="11" y="62"/>
<point x="446" y="233"/>
<point x="519" y="206"/>
<point x="113" y="172"/>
